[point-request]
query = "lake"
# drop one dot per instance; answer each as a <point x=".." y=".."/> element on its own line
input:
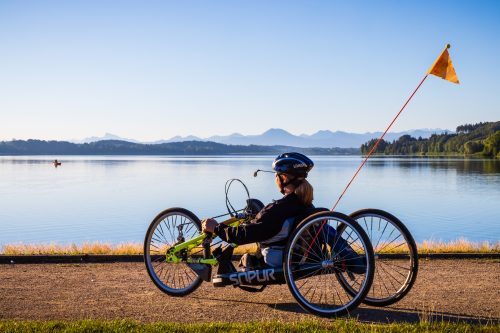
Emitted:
<point x="114" y="198"/>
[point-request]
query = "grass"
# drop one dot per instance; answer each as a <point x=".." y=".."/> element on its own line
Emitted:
<point x="461" y="245"/>
<point x="71" y="249"/>
<point x="430" y="246"/>
<point x="340" y="326"/>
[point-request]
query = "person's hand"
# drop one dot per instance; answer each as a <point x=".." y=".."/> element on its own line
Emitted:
<point x="208" y="225"/>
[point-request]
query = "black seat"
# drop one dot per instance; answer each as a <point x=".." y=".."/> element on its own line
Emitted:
<point x="289" y="226"/>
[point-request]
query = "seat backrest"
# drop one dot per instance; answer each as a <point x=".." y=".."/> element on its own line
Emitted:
<point x="281" y="238"/>
<point x="307" y="212"/>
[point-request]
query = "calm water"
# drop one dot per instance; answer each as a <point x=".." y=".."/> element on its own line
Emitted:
<point x="113" y="199"/>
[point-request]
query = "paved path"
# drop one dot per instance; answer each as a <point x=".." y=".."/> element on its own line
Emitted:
<point x="449" y="290"/>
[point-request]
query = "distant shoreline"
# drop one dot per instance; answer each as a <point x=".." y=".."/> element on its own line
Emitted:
<point x="115" y="147"/>
<point x="476" y="140"/>
<point x="375" y="156"/>
<point x="416" y="156"/>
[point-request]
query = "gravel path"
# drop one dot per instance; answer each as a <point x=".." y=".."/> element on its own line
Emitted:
<point x="449" y="290"/>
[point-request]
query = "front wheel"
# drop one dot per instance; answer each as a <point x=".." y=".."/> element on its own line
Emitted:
<point x="172" y="226"/>
<point x="318" y="253"/>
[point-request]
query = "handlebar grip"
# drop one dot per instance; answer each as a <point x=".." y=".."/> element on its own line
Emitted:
<point x="206" y="245"/>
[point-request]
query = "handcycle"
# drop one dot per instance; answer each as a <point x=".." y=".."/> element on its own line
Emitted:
<point x="321" y="261"/>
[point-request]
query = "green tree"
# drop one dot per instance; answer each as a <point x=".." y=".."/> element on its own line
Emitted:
<point x="492" y="145"/>
<point x="472" y="147"/>
<point x="469" y="139"/>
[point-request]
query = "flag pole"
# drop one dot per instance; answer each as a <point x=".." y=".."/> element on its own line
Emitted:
<point x="378" y="142"/>
<point x="365" y="159"/>
<point x="451" y="78"/>
<point x="372" y="150"/>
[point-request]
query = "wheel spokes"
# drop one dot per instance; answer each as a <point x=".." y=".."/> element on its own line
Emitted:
<point x="391" y="274"/>
<point x="315" y="275"/>
<point x="166" y="233"/>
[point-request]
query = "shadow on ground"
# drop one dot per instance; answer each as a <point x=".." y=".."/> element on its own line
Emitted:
<point x="380" y="315"/>
<point x="393" y="315"/>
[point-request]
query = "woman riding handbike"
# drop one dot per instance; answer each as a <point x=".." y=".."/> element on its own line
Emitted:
<point x="274" y="223"/>
<point x="324" y="257"/>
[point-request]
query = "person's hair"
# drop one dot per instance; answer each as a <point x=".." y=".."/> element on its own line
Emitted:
<point x="305" y="192"/>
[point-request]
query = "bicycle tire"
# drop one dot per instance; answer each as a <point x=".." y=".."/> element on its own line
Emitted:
<point x="168" y="278"/>
<point x="325" y="260"/>
<point x="399" y="269"/>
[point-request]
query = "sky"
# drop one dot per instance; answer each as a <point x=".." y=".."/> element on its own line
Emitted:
<point x="150" y="70"/>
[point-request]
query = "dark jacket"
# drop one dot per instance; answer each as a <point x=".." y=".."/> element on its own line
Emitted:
<point x="267" y="223"/>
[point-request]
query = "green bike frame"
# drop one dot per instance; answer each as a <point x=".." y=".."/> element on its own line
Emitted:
<point x="173" y="252"/>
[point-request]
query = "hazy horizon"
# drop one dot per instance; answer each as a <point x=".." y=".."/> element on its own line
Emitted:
<point x="109" y="133"/>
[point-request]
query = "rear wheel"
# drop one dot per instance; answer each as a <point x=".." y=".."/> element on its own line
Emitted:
<point x="396" y="257"/>
<point x="317" y="253"/>
<point x="170" y="227"/>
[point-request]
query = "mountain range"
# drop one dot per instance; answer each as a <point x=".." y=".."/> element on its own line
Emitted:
<point x="277" y="136"/>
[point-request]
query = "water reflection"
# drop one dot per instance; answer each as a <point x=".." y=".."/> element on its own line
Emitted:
<point x="482" y="166"/>
<point x="113" y="198"/>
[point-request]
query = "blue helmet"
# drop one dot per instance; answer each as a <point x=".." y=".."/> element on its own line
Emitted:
<point x="294" y="164"/>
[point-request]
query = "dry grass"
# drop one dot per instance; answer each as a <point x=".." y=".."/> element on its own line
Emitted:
<point x="71" y="249"/>
<point x="458" y="246"/>
<point x="461" y="245"/>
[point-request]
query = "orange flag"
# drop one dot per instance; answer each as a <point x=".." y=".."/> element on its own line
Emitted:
<point x="443" y="67"/>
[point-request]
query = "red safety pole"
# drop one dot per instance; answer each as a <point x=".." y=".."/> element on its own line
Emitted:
<point x="378" y="142"/>
<point x="366" y="158"/>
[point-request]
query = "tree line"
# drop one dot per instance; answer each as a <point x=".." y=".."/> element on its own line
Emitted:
<point x="117" y="147"/>
<point x="481" y="139"/>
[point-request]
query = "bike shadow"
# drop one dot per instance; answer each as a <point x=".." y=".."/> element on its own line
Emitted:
<point x="393" y="315"/>
<point x="379" y="315"/>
